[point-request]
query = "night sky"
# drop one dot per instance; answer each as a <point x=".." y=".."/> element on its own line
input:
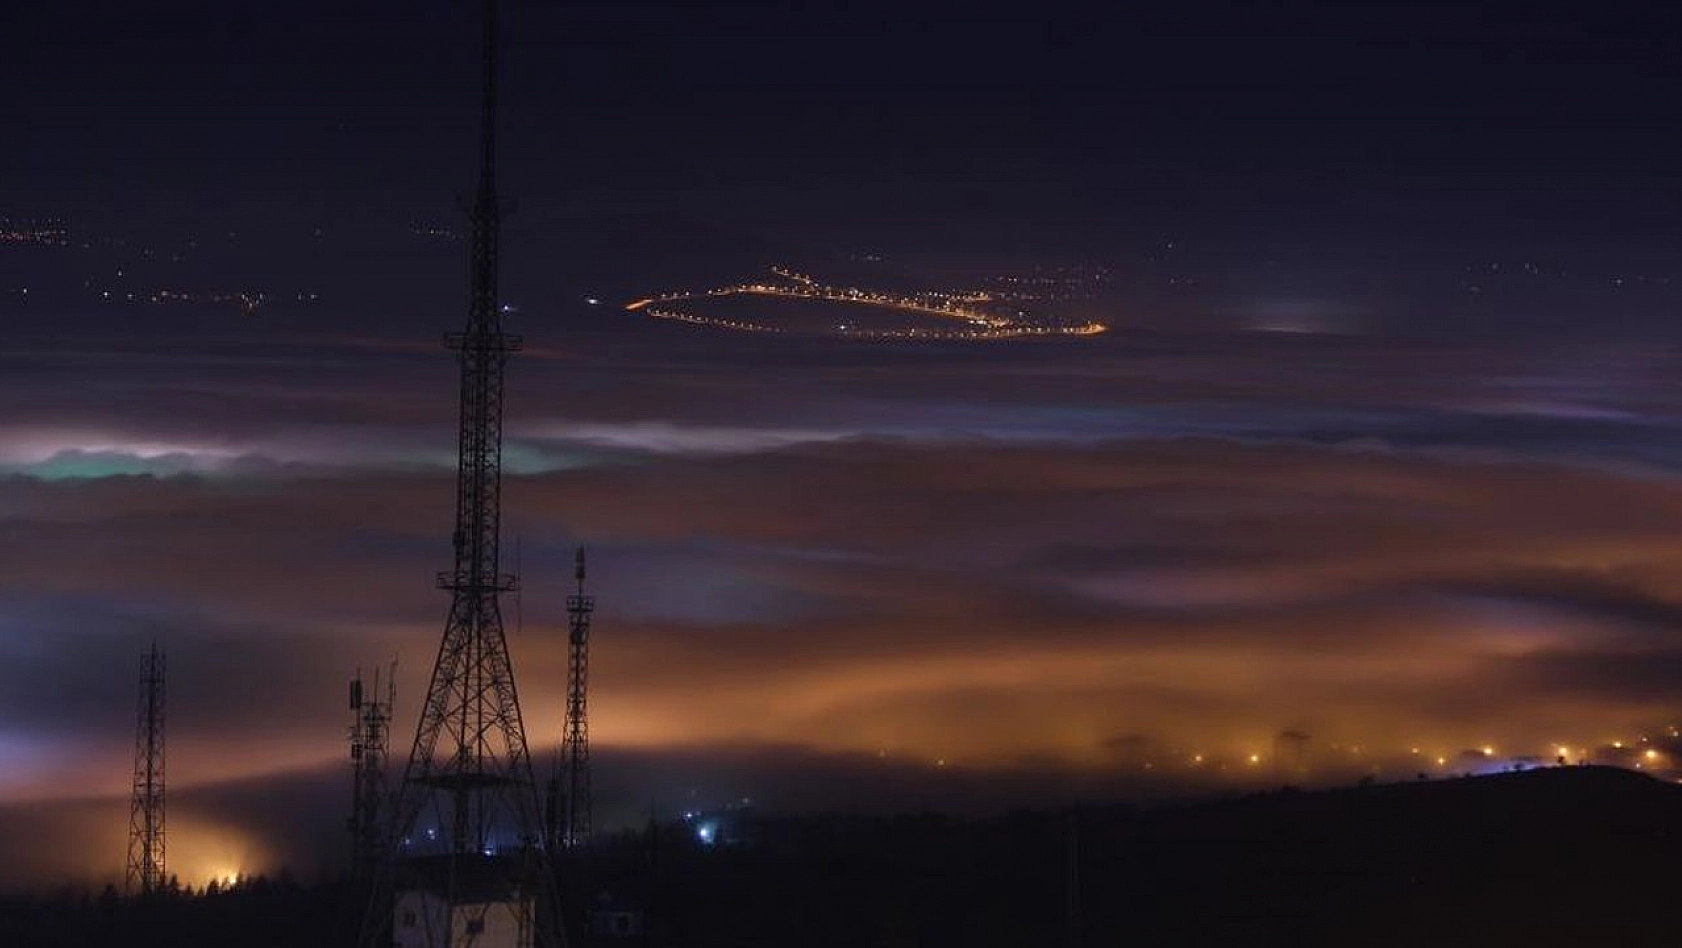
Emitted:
<point x="1383" y="445"/>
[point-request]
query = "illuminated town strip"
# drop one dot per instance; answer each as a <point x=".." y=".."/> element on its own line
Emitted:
<point x="981" y="324"/>
<point x="1297" y="757"/>
<point x="1293" y="753"/>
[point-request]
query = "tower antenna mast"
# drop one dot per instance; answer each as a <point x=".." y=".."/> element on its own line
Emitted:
<point x="471" y="867"/>
<point x="370" y="735"/>
<point x="146" y="865"/>
<point x="575" y="744"/>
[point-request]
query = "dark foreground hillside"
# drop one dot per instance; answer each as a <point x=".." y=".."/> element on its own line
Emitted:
<point x="1569" y="856"/>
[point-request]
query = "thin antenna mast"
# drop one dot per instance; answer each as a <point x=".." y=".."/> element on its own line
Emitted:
<point x="146" y="865"/>
<point x="575" y="745"/>
<point x="370" y="735"/>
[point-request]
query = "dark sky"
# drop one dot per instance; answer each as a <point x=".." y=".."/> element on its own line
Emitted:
<point x="822" y="121"/>
<point x="1383" y="444"/>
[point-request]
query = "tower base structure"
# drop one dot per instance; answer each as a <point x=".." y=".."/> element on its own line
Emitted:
<point x="465" y="902"/>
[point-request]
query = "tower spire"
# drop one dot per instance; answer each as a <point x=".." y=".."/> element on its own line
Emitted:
<point x="486" y="213"/>
<point x="487" y="108"/>
<point x="470" y="863"/>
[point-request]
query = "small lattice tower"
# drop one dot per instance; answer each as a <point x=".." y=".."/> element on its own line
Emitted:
<point x="370" y="735"/>
<point x="575" y="744"/>
<point x="146" y="865"/>
<point x="1290" y="755"/>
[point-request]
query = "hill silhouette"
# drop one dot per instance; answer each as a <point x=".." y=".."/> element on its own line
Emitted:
<point x="1565" y="856"/>
<point x="1561" y="856"/>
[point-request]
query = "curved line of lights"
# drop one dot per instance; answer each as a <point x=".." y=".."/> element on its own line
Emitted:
<point x="979" y="323"/>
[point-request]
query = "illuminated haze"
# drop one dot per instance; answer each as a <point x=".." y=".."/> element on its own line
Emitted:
<point x="1382" y="445"/>
<point x="1040" y="558"/>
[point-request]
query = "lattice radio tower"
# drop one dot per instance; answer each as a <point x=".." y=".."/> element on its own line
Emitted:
<point x="470" y="864"/>
<point x="370" y="735"/>
<point x="146" y="867"/>
<point x="575" y="743"/>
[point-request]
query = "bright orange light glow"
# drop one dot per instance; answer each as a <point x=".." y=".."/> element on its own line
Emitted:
<point x="200" y="853"/>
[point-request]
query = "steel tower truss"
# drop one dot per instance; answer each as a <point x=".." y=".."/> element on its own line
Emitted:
<point x="575" y="744"/>
<point x="468" y="828"/>
<point x="370" y="735"/>
<point x="146" y="866"/>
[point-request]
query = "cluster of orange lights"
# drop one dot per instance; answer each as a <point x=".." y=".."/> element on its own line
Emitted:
<point x="1642" y="754"/>
<point x="978" y="323"/>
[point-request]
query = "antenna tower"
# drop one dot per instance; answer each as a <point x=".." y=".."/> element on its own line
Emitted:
<point x="1290" y="755"/>
<point x="470" y="867"/>
<point x="575" y="743"/>
<point x="146" y="810"/>
<point x="370" y="735"/>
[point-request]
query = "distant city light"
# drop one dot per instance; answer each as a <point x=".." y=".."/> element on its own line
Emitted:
<point x="982" y="323"/>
